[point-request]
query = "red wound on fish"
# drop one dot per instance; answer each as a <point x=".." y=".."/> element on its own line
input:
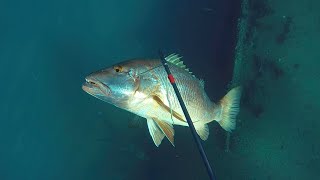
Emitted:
<point x="171" y="78"/>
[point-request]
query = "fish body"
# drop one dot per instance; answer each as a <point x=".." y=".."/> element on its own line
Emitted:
<point x="141" y="86"/>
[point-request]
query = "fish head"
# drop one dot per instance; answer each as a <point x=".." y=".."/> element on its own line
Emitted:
<point x="115" y="84"/>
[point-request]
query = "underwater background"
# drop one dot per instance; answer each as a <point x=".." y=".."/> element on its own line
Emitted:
<point x="51" y="129"/>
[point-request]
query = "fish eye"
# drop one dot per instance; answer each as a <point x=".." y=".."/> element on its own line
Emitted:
<point x="118" y="68"/>
<point x="91" y="82"/>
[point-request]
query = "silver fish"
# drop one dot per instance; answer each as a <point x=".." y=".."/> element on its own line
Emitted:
<point x="141" y="86"/>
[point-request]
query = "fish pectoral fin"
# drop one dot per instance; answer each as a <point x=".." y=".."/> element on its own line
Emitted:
<point x="202" y="130"/>
<point x="155" y="132"/>
<point x="166" y="128"/>
<point x="158" y="100"/>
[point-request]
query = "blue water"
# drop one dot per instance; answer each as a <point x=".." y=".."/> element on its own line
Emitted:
<point x="51" y="129"/>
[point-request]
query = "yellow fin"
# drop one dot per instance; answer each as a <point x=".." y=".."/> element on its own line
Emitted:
<point x="176" y="60"/>
<point x="155" y="132"/>
<point x="229" y="109"/>
<point x="202" y="130"/>
<point x="165" y="107"/>
<point x="166" y="128"/>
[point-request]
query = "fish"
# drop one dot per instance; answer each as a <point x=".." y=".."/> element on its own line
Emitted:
<point x="141" y="86"/>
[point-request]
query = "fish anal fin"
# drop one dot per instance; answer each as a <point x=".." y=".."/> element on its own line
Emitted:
<point x="202" y="130"/>
<point x="155" y="132"/>
<point x="166" y="128"/>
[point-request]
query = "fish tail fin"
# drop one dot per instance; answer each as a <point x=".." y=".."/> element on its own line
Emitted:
<point x="228" y="109"/>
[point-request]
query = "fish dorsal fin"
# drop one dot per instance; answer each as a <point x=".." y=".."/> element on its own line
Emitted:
<point x="176" y="60"/>
<point x="155" y="132"/>
<point x="166" y="128"/>
<point x="201" y="83"/>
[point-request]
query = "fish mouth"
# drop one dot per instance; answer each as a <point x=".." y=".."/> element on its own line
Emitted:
<point x="95" y="87"/>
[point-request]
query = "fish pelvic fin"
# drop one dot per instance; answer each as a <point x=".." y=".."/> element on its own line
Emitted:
<point x="167" y="129"/>
<point x="155" y="132"/>
<point x="159" y="129"/>
<point x="228" y="109"/>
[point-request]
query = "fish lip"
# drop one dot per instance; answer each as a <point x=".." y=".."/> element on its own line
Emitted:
<point x="107" y="90"/>
<point x="94" y="83"/>
<point x="89" y="80"/>
<point x="86" y="87"/>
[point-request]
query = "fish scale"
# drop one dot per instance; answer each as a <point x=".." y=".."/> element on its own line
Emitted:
<point x="141" y="86"/>
<point x="193" y="94"/>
